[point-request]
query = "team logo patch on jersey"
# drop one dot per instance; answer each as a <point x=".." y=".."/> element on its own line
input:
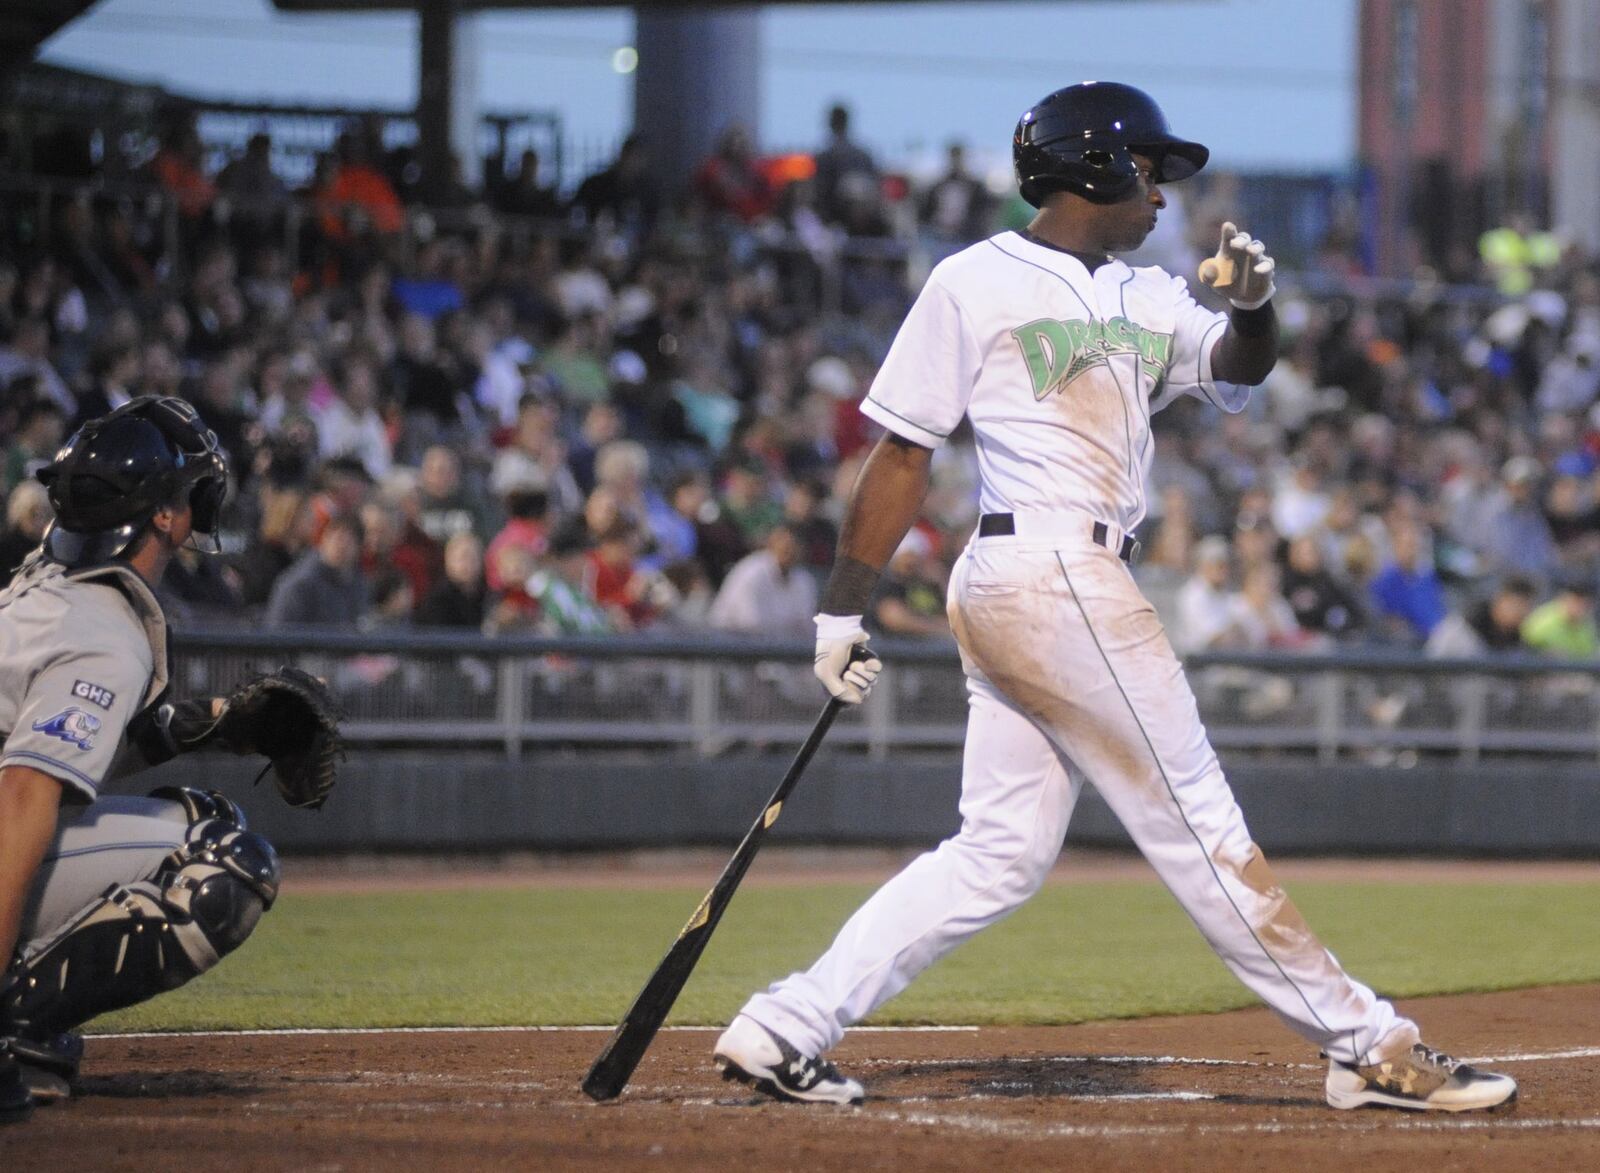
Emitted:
<point x="1058" y="352"/>
<point x="73" y="726"/>
<point x="86" y="690"/>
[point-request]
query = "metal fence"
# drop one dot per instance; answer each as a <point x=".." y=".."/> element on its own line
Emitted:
<point x="714" y="694"/>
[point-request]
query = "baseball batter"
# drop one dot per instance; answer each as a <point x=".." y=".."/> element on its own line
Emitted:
<point x="1059" y="355"/>
<point x="105" y="902"/>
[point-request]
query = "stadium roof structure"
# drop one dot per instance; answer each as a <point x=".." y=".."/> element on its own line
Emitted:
<point x="489" y="5"/>
<point x="696" y="73"/>
<point x="27" y="24"/>
<point x="481" y="5"/>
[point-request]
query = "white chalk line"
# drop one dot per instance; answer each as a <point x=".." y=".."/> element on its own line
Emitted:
<point x="1027" y="1130"/>
<point x="1575" y="1053"/>
<point x="1141" y="1060"/>
<point x="272" y="1032"/>
<point x="1186" y="1061"/>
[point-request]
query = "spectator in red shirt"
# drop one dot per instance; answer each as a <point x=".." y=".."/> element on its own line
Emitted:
<point x="615" y="582"/>
<point x="358" y="196"/>
<point x="177" y="168"/>
<point x="528" y="530"/>
<point x="413" y="553"/>
<point x="730" y="181"/>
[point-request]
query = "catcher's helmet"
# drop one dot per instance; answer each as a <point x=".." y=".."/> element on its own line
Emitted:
<point x="112" y="475"/>
<point x="1082" y="139"/>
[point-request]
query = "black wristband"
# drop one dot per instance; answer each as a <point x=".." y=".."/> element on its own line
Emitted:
<point x="192" y="724"/>
<point x="150" y="732"/>
<point x="164" y="731"/>
<point x="1256" y="323"/>
<point x="849" y="587"/>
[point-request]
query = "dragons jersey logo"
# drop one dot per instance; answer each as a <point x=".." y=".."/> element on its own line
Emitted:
<point x="1058" y="352"/>
<point x="73" y="726"/>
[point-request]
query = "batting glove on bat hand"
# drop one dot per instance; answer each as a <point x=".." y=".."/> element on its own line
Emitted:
<point x="850" y="682"/>
<point x="288" y="716"/>
<point x="1241" y="270"/>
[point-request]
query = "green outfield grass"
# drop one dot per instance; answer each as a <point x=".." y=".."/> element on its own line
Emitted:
<point x="1076" y="952"/>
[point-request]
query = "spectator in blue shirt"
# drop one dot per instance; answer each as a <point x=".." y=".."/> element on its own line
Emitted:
<point x="430" y="292"/>
<point x="1406" y="595"/>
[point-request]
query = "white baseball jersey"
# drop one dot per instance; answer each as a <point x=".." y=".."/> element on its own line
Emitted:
<point x="1059" y="370"/>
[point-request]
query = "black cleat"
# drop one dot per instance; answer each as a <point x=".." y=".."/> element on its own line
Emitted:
<point x="16" y="1105"/>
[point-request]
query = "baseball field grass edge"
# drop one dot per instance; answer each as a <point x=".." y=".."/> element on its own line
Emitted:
<point x="1073" y="954"/>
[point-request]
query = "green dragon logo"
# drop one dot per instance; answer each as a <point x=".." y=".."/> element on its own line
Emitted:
<point x="1058" y="352"/>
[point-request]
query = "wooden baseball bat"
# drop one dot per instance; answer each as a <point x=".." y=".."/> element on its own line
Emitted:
<point x="615" y="1064"/>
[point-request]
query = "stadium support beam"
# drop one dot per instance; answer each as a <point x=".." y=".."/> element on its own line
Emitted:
<point x="699" y="71"/>
<point x="447" y="91"/>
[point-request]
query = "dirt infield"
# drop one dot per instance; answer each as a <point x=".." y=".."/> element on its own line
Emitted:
<point x="1229" y="1091"/>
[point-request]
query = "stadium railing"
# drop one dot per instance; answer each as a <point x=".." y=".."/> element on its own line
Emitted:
<point x="708" y="693"/>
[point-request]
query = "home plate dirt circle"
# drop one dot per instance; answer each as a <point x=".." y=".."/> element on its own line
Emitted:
<point x="1229" y="1091"/>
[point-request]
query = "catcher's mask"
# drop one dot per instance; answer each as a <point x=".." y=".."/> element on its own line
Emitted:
<point x="109" y="479"/>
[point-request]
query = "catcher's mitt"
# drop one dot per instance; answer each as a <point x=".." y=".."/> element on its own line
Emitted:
<point x="289" y="717"/>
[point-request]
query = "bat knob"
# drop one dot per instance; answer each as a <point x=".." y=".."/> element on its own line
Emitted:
<point x="861" y="652"/>
<point x="1210" y="271"/>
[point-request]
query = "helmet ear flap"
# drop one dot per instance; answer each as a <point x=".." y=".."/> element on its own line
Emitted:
<point x="1109" y="173"/>
<point x="1102" y="174"/>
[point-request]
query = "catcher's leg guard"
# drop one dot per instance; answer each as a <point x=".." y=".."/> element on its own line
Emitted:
<point x="58" y="1054"/>
<point x="138" y="940"/>
<point x="203" y="804"/>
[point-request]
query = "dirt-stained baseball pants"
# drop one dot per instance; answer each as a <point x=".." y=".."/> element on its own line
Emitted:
<point x="1070" y="676"/>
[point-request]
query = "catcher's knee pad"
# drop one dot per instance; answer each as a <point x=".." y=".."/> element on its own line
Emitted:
<point x="138" y="940"/>
<point x="201" y="805"/>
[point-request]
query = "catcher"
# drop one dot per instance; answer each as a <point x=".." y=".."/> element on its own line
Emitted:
<point x="107" y="901"/>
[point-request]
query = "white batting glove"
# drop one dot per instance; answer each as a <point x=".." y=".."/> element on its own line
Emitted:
<point x="1241" y="270"/>
<point x="836" y="636"/>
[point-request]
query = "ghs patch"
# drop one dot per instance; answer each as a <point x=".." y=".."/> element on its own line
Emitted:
<point x="73" y="726"/>
<point x="86" y="690"/>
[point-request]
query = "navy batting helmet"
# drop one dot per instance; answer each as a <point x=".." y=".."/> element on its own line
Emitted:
<point x="1082" y="139"/>
<point x="112" y="475"/>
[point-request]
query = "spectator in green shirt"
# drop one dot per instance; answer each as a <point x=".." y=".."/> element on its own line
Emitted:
<point x="565" y="605"/>
<point x="572" y="363"/>
<point x="748" y="502"/>
<point x="1565" y="625"/>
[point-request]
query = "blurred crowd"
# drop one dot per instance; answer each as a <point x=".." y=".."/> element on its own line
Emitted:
<point x="515" y="410"/>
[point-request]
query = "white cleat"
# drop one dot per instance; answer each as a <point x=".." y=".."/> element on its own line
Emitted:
<point x="751" y="1054"/>
<point x="1421" y="1079"/>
